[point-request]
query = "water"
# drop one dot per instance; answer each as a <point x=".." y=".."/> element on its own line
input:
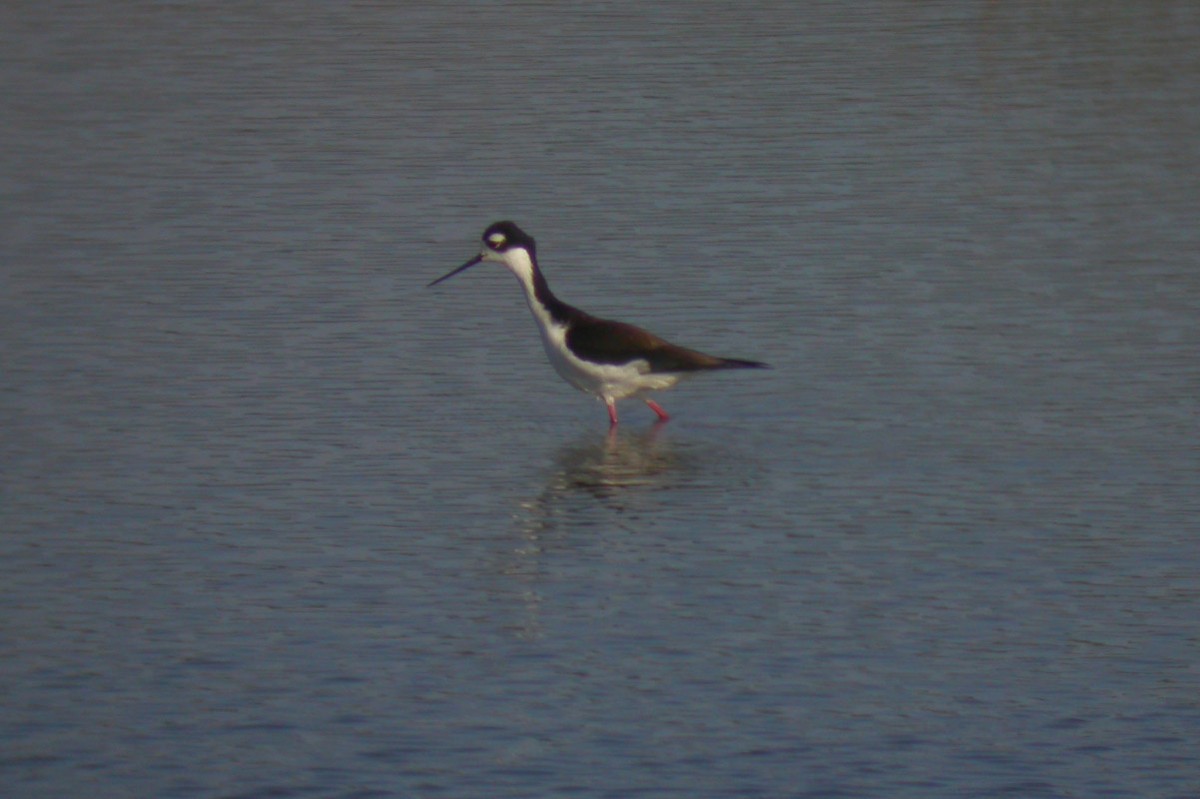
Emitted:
<point x="278" y="521"/>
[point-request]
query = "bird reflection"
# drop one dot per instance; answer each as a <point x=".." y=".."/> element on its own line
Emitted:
<point x="609" y="469"/>
<point x="595" y="485"/>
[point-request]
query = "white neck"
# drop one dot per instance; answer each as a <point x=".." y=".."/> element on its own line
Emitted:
<point x="518" y="262"/>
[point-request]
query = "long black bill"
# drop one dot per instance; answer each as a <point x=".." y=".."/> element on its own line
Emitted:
<point x="464" y="267"/>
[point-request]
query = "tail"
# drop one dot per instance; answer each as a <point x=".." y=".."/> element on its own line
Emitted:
<point x="737" y="363"/>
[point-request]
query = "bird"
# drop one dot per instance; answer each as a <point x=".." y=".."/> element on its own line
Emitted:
<point x="607" y="359"/>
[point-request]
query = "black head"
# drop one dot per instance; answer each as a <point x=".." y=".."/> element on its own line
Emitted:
<point x="498" y="240"/>
<point x="501" y="236"/>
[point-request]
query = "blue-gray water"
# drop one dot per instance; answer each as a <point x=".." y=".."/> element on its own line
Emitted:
<point x="277" y="521"/>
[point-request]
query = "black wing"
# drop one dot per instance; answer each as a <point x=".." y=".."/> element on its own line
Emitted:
<point x="603" y="341"/>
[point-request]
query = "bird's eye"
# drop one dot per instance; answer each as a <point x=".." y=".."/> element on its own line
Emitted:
<point x="495" y="241"/>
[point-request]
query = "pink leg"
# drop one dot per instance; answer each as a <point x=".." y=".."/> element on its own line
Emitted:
<point x="612" y="413"/>
<point x="654" y="406"/>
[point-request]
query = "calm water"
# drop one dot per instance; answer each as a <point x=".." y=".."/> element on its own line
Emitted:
<point x="277" y="521"/>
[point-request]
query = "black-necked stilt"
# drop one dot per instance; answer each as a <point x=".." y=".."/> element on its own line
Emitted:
<point x="610" y="360"/>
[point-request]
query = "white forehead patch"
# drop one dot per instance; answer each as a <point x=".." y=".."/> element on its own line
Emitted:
<point x="496" y="239"/>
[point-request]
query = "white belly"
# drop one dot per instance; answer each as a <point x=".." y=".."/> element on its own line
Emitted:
<point x="606" y="381"/>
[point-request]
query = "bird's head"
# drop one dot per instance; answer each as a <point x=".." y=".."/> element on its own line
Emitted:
<point x="504" y="243"/>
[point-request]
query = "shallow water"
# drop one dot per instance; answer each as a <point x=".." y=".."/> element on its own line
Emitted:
<point x="279" y="521"/>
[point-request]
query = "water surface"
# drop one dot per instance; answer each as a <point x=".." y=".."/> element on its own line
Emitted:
<point x="278" y="521"/>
